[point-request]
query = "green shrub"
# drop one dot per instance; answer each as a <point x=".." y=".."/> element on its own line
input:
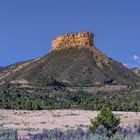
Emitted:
<point x="105" y="123"/>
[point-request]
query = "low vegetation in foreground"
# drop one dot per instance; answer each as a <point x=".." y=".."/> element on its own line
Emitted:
<point x="129" y="133"/>
<point x="79" y="134"/>
<point x="104" y="127"/>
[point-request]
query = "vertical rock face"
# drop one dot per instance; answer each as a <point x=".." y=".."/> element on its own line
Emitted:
<point x="80" y="39"/>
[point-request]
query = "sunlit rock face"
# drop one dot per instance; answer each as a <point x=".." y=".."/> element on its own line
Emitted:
<point x="80" y="40"/>
<point x="136" y="71"/>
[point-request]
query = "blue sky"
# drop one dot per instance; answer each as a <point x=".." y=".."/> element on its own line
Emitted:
<point x="28" y="26"/>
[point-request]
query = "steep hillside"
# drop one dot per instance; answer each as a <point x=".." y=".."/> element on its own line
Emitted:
<point x="9" y="70"/>
<point x="73" y="60"/>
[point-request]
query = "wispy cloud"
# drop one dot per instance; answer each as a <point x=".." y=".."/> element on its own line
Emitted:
<point x="131" y="65"/>
<point x="126" y="65"/>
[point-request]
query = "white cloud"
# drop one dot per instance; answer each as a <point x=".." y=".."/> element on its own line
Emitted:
<point x="136" y="58"/>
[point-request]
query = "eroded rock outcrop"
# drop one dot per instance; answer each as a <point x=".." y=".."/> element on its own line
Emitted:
<point x="136" y="71"/>
<point x="80" y="39"/>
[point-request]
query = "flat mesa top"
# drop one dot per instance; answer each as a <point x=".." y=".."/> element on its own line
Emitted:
<point x="79" y="39"/>
<point x="74" y="34"/>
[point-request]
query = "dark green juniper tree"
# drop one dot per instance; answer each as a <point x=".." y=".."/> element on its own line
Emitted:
<point x="105" y="123"/>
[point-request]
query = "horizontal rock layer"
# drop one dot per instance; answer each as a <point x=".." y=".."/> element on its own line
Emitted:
<point x="80" y="39"/>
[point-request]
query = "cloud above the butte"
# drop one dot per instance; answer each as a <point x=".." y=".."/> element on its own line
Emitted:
<point x="136" y="58"/>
